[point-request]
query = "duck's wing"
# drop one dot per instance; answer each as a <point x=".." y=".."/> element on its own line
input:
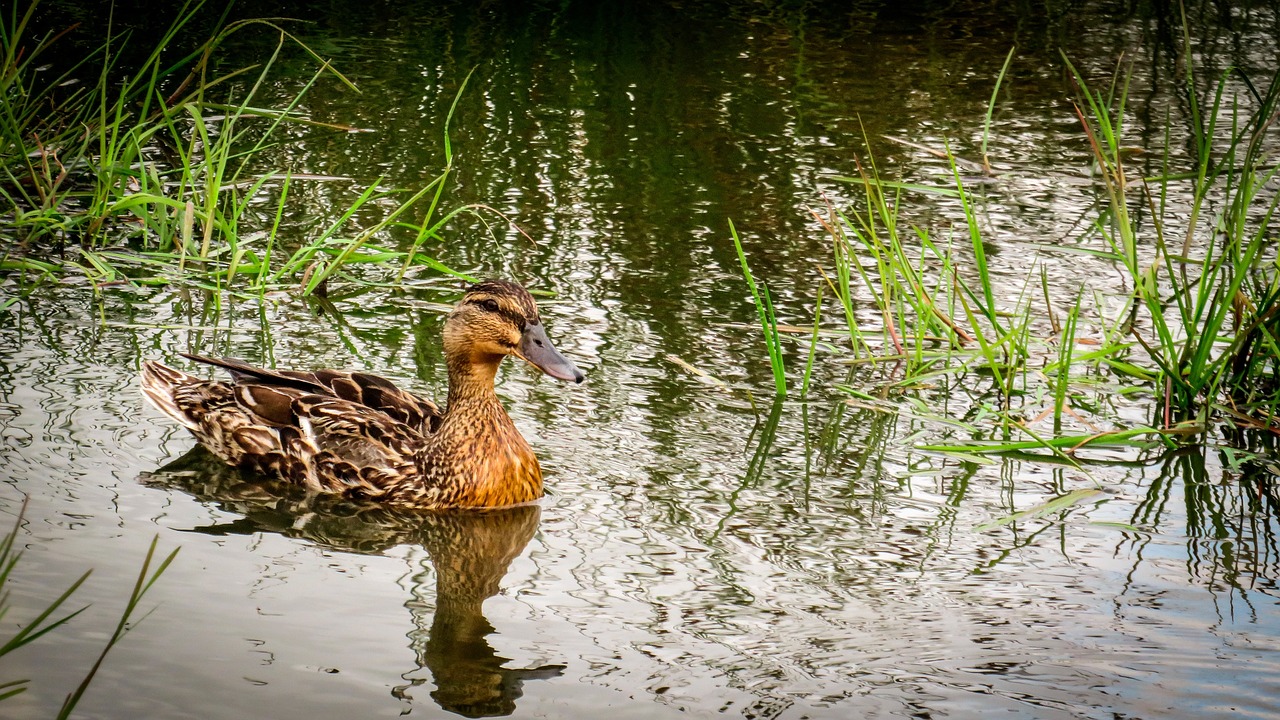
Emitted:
<point x="323" y="442"/>
<point x="366" y="389"/>
<point x="288" y="428"/>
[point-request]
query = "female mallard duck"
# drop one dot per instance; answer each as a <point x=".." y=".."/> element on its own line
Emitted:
<point x="359" y="435"/>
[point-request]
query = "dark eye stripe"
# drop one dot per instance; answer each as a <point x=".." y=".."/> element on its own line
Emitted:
<point x="512" y="316"/>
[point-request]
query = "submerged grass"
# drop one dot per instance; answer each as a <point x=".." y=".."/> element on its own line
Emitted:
<point x="150" y="176"/>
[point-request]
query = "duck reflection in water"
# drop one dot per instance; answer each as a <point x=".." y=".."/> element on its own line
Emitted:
<point x="469" y="549"/>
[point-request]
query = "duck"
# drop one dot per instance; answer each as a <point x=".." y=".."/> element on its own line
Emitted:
<point x="361" y="436"/>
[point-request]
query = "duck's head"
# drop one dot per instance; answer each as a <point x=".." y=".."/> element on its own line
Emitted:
<point x="497" y="318"/>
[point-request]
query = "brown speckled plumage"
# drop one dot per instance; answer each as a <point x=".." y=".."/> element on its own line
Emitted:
<point x="359" y="435"/>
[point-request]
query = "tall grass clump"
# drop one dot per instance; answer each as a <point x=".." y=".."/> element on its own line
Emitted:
<point x="939" y="315"/>
<point x="912" y="286"/>
<point x="1199" y="329"/>
<point x="151" y="174"/>
<point x="1205" y="294"/>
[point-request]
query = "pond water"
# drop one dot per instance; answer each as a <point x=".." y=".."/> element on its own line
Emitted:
<point x="700" y="553"/>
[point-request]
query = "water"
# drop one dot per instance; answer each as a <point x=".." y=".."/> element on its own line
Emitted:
<point x="695" y="557"/>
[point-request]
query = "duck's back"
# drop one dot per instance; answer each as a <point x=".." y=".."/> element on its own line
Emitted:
<point x="299" y="426"/>
<point x="366" y="389"/>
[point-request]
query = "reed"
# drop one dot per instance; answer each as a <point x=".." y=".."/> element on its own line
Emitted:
<point x="43" y="623"/>
<point x="150" y="186"/>
<point x="915" y="287"/>
<point x="768" y="319"/>
<point x="1200" y="330"/>
<point x="991" y="110"/>
<point x="1204" y="309"/>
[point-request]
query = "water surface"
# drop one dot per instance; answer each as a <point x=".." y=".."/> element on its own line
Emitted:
<point x="697" y="556"/>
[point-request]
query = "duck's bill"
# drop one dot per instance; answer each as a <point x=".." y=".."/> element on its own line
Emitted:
<point x="536" y="348"/>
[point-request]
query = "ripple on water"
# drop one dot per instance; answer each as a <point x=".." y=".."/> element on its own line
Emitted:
<point x="698" y="555"/>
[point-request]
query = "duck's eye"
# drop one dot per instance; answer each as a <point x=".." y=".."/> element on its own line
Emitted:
<point x="489" y="304"/>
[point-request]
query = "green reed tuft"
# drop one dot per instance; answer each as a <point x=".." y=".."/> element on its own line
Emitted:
<point x="1211" y="301"/>
<point x="1205" y="312"/>
<point x="149" y="175"/>
<point x="1200" y="331"/>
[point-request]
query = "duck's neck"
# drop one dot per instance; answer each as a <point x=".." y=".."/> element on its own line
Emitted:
<point x="478" y="444"/>
<point x="471" y="384"/>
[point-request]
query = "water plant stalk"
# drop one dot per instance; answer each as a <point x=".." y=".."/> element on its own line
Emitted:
<point x="42" y="624"/>
<point x="765" y="313"/>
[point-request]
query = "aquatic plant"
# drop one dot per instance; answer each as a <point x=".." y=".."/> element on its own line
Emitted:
<point x="768" y="320"/>
<point x="42" y="624"/>
<point x="151" y="175"/>
<point x="1199" y="330"/>
<point x="1220" y="280"/>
